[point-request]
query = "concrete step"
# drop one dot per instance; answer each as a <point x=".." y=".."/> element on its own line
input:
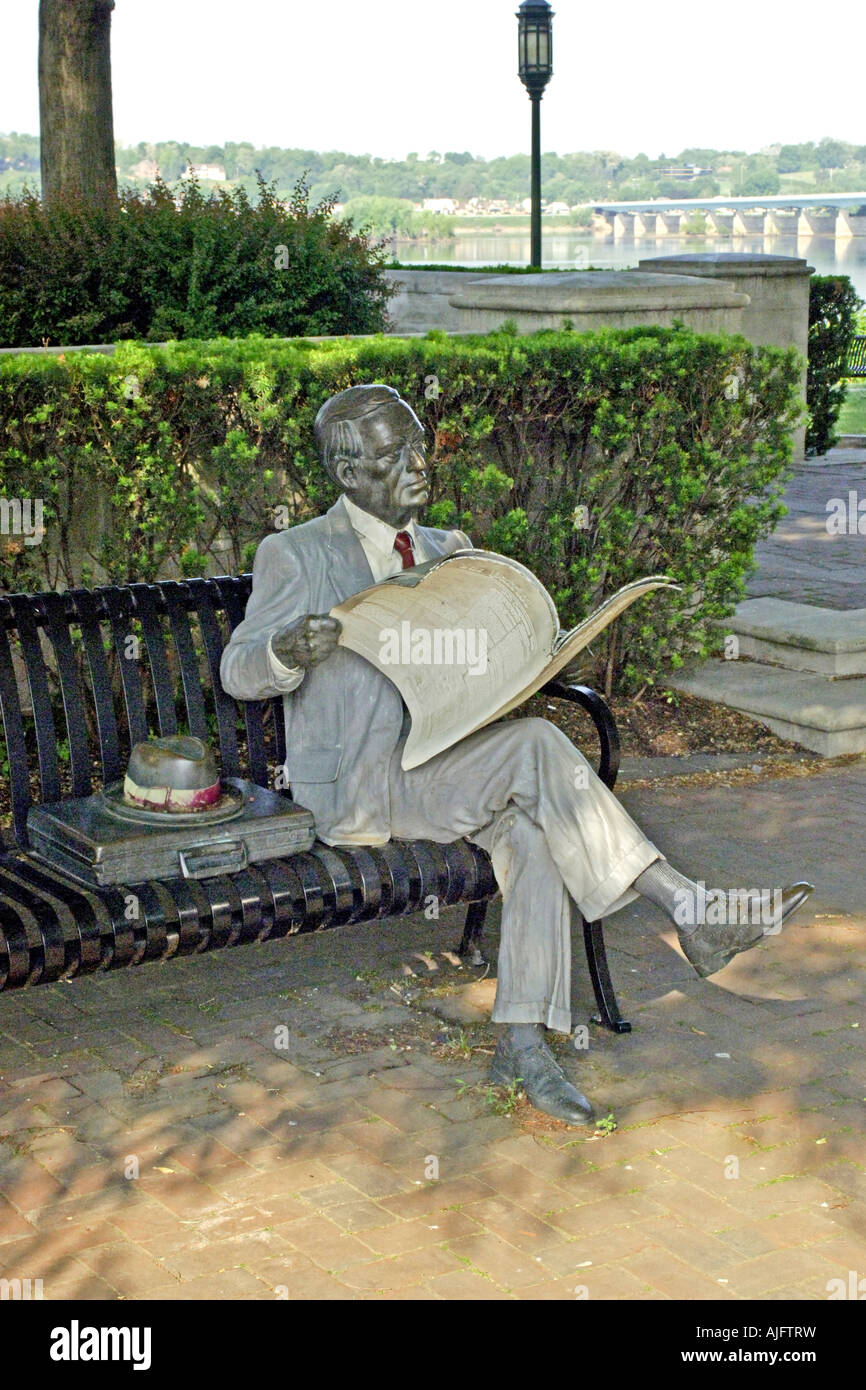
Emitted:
<point x="801" y="636"/>
<point x="826" y="716"/>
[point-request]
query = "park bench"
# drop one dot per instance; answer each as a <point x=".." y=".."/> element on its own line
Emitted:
<point x="89" y="701"/>
<point x="855" y="363"/>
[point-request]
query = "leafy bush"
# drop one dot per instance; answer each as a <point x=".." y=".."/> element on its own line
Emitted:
<point x="593" y="458"/>
<point x="206" y="265"/>
<point x="833" y="306"/>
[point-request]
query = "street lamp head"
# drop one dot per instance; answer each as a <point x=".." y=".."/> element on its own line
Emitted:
<point x="535" y="45"/>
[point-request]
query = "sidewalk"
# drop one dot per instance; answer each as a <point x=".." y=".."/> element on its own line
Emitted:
<point x="299" y="1121"/>
<point x="802" y="562"/>
<point x="738" y="1168"/>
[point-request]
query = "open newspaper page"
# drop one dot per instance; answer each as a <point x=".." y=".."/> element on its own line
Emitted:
<point x="465" y="639"/>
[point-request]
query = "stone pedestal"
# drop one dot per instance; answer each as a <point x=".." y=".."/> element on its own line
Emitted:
<point x="599" y="299"/>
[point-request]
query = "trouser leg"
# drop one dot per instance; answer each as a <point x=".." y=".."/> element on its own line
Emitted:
<point x="534" y="972"/>
<point x="596" y="847"/>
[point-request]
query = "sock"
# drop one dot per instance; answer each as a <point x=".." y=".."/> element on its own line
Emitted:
<point x="525" y="1034"/>
<point x="666" y="888"/>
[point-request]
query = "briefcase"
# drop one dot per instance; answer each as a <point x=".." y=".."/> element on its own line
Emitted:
<point x="100" y="842"/>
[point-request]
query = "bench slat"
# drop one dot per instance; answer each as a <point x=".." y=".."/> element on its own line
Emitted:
<point x="154" y="641"/>
<point x="16" y="745"/>
<point x="176" y="598"/>
<point x="204" y="593"/>
<point x="57" y="627"/>
<point x="120" y="612"/>
<point x="40" y="695"/>
<point x="234" y="595"/>
<point x="100" y="683"/>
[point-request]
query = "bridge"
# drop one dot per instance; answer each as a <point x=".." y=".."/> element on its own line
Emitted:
<point x="786" y="214"/>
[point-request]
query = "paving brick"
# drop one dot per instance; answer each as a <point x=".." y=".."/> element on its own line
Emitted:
<point x="399" y="1271"/>
<point x="76" y="1281"/>
<point x="436" y="1196"/>
<point x="590" y="1218"/>
<point x="402" y="1236"/>
<point x="360" y="1216"/>
<point x="325" y="1243"/>
<point x="511" y="1268"/>
<point x="755" y="1278"/>
<point x="12" y="1223"/>
<point x="601" y="1248"/>
<point x="673" y="1277"/>
<point x="203" y="1256"/>
<point x="465" y="1284"/>
<point x="520" y="1228"/>
<point x="128" y="1269"/>
<point x="374" y="1179"/>
<point x="211" y="1288"/>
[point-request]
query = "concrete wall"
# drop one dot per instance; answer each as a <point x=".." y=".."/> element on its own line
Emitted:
<point x="597" y="299"/>
<point x="778" y="292"/>
<point x="423" y="299"/>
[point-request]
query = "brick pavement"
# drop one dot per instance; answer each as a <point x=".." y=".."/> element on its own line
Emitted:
<point x="800" y="561"/>
<point x="162" y="1138"/>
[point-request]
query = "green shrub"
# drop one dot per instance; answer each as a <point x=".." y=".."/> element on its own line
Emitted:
<point x="833" y="306"/>
<point x="593" y="458"/>
<point x="210" y="264"/>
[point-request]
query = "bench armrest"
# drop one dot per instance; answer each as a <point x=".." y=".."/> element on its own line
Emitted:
<point x="602" y="718"/>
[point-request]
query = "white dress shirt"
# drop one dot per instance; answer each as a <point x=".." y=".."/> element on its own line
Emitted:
<point x="377" y="541"/>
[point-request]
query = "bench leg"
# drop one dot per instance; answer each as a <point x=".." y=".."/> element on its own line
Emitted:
<point x="470" y="945"/>
<point x="596" y="957"/>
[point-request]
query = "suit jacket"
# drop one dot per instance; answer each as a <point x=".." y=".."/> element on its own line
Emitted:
<point x="345" y="719"/>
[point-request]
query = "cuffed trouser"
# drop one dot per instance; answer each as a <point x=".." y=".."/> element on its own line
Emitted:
<point x="556" y="836"/>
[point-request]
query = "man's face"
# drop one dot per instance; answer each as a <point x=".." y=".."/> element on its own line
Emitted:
<point x="390" y="480"/>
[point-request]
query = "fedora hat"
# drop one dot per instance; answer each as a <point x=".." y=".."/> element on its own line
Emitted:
<point x="173" y="777"/>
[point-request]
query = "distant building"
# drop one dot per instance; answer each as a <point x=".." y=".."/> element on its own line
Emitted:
<point x="557" y="209"/>
<point x="214" y="173"/>
<point x="145" y="169"/>
<point x="443" y="205"/>
<point x="683" y="173"/>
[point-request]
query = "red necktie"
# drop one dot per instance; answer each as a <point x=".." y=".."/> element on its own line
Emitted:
<point x="403" y="544"/>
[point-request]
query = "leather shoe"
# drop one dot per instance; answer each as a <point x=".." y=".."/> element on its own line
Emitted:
<point x="709" y="948"/>
<point x="546" y="1085"/>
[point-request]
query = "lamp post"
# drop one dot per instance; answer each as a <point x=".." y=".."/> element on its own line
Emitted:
<point x="535" y="66"/>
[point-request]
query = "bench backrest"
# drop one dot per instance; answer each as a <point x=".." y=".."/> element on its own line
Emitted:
<point x="855" y="364"/>
<point x="110" y="666"/>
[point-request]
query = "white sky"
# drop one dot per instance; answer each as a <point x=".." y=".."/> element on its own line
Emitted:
<point x="387" y="76"/>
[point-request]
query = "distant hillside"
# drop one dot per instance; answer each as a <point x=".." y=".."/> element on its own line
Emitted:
<point x="569" y="179"/>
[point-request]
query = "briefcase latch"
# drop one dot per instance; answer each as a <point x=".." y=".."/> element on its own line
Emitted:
<point x="209" y="860"/>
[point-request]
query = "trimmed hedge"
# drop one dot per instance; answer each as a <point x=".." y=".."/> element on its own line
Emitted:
<point x="594" y="458"/>
<point x="207" y="265"/>
<point x="833" y="305"/>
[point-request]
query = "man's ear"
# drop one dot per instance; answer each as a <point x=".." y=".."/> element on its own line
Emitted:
<point x="347" y="473"/>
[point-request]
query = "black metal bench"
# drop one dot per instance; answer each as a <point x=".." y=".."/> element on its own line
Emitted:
<point x="855" y="363"/>
<point x="109" y="666"/>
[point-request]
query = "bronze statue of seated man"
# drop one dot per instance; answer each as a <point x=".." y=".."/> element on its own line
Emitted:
<point x="519" y="789"/>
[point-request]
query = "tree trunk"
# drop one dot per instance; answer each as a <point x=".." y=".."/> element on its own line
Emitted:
<point x="77" y="125"/>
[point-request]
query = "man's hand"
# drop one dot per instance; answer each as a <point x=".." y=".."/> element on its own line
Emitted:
<point x="576" y="673"/>
<point x="308" y="641"/>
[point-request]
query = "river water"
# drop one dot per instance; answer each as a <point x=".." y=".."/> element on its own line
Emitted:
<point x="578" y="251"/>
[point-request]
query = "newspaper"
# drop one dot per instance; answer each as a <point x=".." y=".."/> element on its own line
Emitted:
<point x="466" y="638"/>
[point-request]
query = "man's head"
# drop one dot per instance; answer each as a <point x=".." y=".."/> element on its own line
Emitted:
<point x="372" y="444"/>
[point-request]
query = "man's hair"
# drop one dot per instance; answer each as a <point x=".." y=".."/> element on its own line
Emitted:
<point x="336" y="430"/>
